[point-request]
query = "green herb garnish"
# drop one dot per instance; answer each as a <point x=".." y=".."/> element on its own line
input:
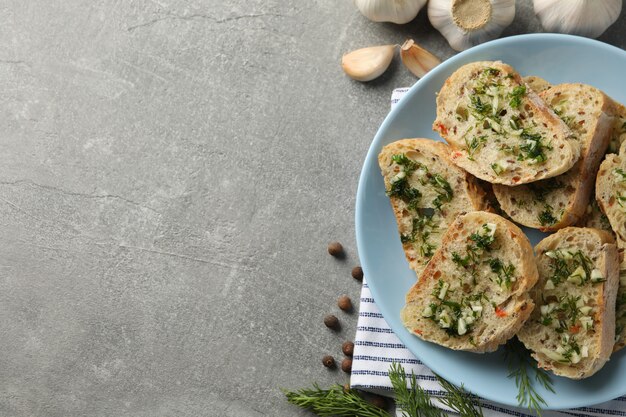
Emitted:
<point x="533" y="149"/>
<point x="482" y="109"/>
<point x="546" y="217"/>
<point x="485" y="240"/>
<point x="459" y="400"/>
<point x="516" y="96"/>
<point x="400" y="186"/>
<point x="474" y="145"/>
<point x="497" y="169"/>
<point x="414" y="401"/>
<point x="505" y="273"/>
<point x="519" y="362"/>
<point x="334" y="402"/>
<point x="564" y="263"/>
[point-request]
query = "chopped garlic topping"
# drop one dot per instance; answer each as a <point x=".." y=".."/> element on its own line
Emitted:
<point x="596" y="276"/>
<point x="461" y="328"/>
<point x="584" y="351"/>
<point x="577" y="276"/>
<point x="491" y="227"/>
<point x="400" y="175"/>
<point x="553" y="355"/>
<point x="586" y="322"/>
<point x="443" y="291"/>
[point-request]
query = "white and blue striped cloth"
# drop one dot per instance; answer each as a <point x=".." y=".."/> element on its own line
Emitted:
<point x="376" y="347"/>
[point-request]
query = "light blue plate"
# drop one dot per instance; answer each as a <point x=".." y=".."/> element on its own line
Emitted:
<point x="558" y="59"/>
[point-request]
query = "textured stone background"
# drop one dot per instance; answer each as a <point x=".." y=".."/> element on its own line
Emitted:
<point x="170" y="175"/>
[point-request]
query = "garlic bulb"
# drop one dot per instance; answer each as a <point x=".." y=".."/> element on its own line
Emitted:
<point x="578" y="17"/>
<point x="368" y="63"/>
<point x="417" y="59"/>
<point x="466" y="23"/>
<point x="396" y="11"/>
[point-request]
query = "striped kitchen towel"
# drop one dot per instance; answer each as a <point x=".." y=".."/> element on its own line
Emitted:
<point x="376" y="347"/>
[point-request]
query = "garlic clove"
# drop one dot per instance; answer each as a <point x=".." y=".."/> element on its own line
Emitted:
<point x="396" y="11"/>
<point x="417" y="59"/>
<point x="466" y="23"/>
<point x="367" y="64"/>
<point x="582" y="17"/>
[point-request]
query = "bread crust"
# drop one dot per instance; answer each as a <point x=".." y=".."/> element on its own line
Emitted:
<point x="453" y="119"/>
<point x="599" y="247"/>
<point x="512" y="306"/>
<point x="467" y="194"/>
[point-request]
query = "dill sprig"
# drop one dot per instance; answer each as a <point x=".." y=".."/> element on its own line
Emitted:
<point x="334" y="402"/>
<point x="459" y="400"/>
<point x="519" y="363"/>
<point x="413" y="401"/>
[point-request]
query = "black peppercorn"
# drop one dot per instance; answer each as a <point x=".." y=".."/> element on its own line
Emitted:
<point x="332" y="322"/>
<point x="335" y="249"/>
<point x="328" y="361"/>
<point x="357" y="273"/>
<point x="347" y="348"/>
<point x="346" y="365"/>
<point x="344" y="303"/>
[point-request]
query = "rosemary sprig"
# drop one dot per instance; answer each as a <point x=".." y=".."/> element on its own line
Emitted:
<point x="519" y="362"/>
<point x="334" y="402"/>
<point x="413" y="401"/>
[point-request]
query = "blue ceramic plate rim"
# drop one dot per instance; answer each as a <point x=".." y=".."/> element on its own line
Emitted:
<point x="423" y="349"/>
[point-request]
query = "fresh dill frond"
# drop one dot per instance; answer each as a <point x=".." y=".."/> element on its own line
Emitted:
<point x="411" y="399"/>
<point x="459" y="400"/>
<point x="516" y="96"/>
<point x="334" y="402"/>
<point x="520" y="365"/>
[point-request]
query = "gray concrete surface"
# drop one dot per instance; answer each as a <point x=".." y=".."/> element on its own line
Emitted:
<point x="170" y="175"/>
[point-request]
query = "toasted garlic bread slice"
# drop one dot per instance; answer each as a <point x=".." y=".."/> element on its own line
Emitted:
<point x="473" y="295"/>
<point x="562" y="201"/>
<point x="611" y="195"/>
<point x="427" y="192"/>
<point x="501" y="131"/>
<point x="537" y="84"/>
<point x="572" y="329"/>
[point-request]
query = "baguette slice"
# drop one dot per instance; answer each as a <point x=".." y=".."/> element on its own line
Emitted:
<point x="501" y="131"/>
<point x="610" y="187"/>
<point x="444" y="191"/>
<point x="562" y="201"/>
<point x="473" y="295"/>
<point x="572" y="330"/>
<point x="611" y="195"/>
<point x="537" y="84"/>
